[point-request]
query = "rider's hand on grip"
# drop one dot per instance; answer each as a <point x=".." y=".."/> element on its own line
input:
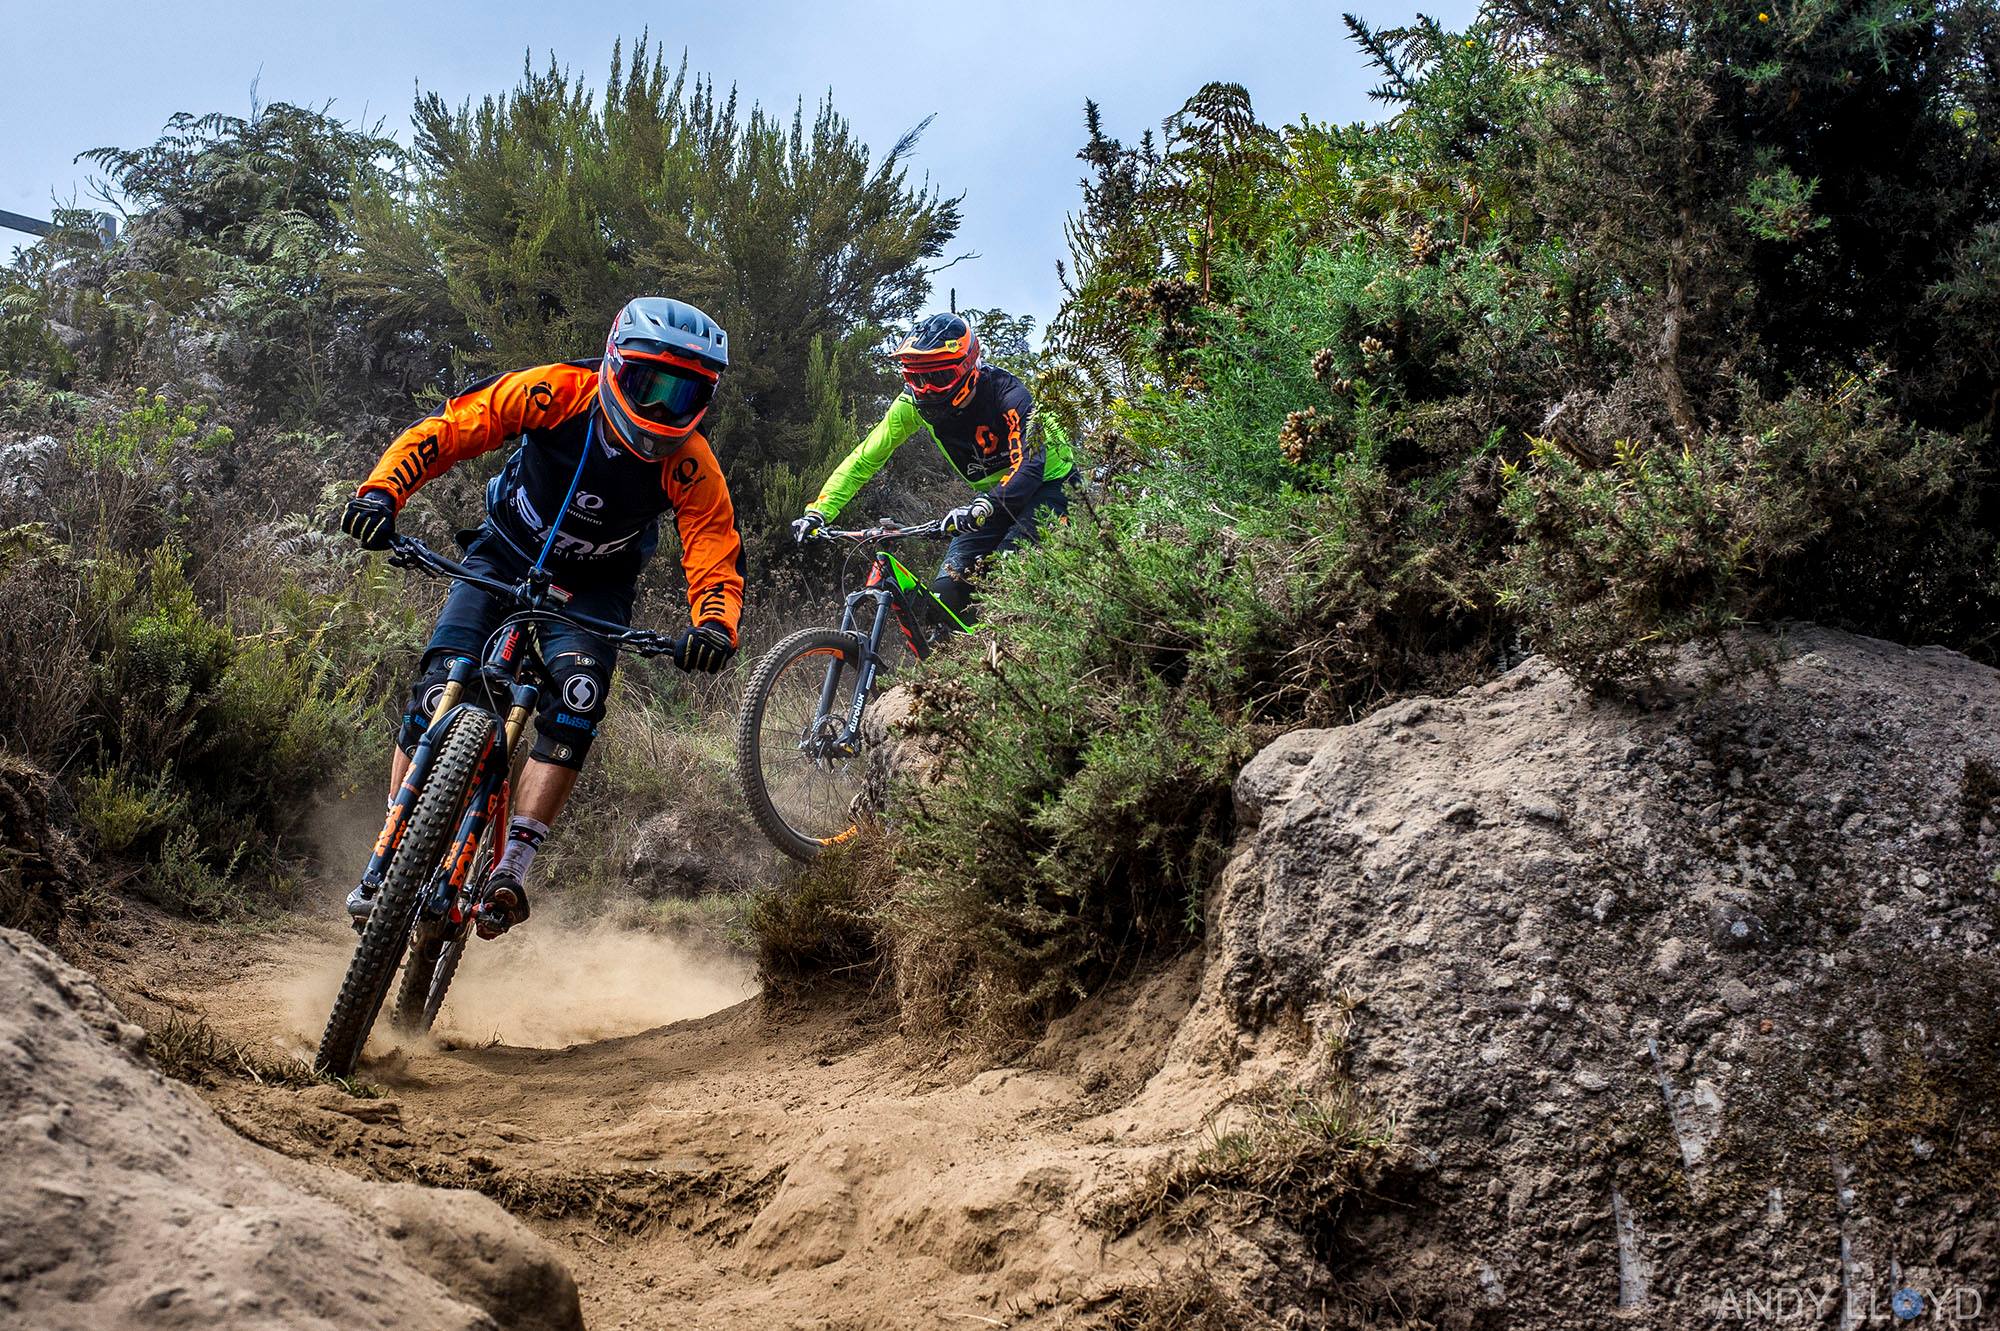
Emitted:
<point x="370" y="519"/>
<point x="705" y="647"/>
<point x="809" y="526"/>
<point x="968" y="517"/>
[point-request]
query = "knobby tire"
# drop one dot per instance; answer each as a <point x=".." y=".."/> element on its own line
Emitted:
<point x="440" y="805"/>
<point x="749" y="730"/>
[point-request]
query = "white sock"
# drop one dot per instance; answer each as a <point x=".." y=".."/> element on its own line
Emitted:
<point x="524" y="838"/>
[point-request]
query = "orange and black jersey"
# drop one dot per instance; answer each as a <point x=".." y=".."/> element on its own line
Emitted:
<point x="993" y="441"/>
<point x="611" y="524"/>
<point x="986" y="438"/>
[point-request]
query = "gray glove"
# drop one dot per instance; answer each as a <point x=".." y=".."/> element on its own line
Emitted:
<point x="805" y="528"/>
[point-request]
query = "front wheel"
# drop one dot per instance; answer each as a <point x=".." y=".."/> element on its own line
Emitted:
<point x="800" y="787"/>
<point x="439" y="807"/>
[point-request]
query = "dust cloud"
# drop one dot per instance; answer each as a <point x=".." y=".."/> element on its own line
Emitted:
<point x="546" y="984"/>
<point x="547" y="987"/>
<point x="549" y="983"/>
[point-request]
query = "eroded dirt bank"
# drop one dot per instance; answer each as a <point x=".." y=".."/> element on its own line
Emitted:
<point x="125" y="1203"/>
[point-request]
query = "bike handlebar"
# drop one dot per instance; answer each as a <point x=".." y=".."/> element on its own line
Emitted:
<point x="887" y="530"/>
<point x="409" y="552"/>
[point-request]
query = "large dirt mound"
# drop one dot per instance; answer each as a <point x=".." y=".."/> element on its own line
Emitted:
<point x="1684" y="1013"/>
<point x="125" y="1203"/>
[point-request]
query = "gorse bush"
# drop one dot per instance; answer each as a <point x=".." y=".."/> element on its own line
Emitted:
<point x="1146" y="649"/>
<point x="1828" y="507"/>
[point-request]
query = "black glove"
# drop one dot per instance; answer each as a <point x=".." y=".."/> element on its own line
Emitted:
<point x="968" y="517"/>
<point x="805" y="528"/>
<point x="370" y="519"/>
<point x="705" y="647"/>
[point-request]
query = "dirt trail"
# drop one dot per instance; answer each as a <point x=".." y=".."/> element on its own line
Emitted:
<point x="733" y="1168"/>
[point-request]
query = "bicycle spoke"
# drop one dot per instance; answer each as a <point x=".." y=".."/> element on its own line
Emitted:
<point x="814" y="795"/>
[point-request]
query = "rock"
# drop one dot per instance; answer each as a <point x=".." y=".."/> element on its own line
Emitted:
<point x="1668" y="959"/>
<point x="1766" y="824"/>
<point x="1737" y="997"/>
<point x="125" y="1202"/>
<point x="889" y="754"/>
<point x="681" y="852"/>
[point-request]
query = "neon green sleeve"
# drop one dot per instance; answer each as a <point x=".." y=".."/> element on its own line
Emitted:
<point x="898" y="424"/>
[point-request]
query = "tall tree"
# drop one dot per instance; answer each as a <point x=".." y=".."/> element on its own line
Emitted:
<point x="545" y="208"/>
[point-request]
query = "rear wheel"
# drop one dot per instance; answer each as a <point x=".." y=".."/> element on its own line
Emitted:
<point x="429" y="965"/>
<point x="800" y="792"/>
<point x="439" y="806"/>
<point x="447" y="966"/>
<point x="413" y="1011"/>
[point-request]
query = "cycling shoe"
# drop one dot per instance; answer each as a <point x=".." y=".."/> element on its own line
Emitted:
<point x="505" y="905"/>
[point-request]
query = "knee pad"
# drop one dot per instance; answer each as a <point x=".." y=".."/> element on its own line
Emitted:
<point x="424" y="695"/>
<point x="579" y="685"/>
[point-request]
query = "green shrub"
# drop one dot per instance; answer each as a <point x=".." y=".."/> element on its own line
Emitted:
<point x="119" y="811"/>
<point x="1238" y="582"/>
<point x="1825" y="506"/>
<point x="197" y="731"/>
<point x="153" y="431"/>
<point x="191" y="879"/>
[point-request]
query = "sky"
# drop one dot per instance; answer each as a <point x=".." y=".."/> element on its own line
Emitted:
<point x="1006" y="82"/>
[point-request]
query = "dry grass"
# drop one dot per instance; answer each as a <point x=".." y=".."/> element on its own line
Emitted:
<point x="186" y="1048"/>
<point x="1283" y="1152"/>
<point x="823" y="922"/>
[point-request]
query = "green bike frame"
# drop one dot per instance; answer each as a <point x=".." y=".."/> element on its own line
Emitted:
<point x="892" y="594"/>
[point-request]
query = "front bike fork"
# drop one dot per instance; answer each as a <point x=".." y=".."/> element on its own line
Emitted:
<point x="847" y="742"/>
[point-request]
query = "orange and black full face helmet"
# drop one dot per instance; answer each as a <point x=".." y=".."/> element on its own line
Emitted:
<point x="661" y="364"/>
<point x="940" y="360"/>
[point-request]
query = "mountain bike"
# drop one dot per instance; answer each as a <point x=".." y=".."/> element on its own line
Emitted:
<point x="427" y="868"/>
<point x="798" y="737"/>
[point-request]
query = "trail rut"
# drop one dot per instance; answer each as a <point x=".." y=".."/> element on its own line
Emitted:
<point x="736" y="1167"/>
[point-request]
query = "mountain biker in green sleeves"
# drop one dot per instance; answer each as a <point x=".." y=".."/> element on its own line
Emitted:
<point x="982" y="420"/>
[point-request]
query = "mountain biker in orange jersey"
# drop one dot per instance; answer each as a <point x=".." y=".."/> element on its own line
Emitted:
<point x="982" y="419"/>
<point x="606" y="447"/>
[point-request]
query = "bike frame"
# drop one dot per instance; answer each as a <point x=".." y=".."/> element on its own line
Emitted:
<point x="512" y="655"/>
<point x="513" y="661"/>
<point x="890" y="595"/>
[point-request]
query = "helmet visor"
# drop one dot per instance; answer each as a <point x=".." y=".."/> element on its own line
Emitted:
<point x="662" y="394"/>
